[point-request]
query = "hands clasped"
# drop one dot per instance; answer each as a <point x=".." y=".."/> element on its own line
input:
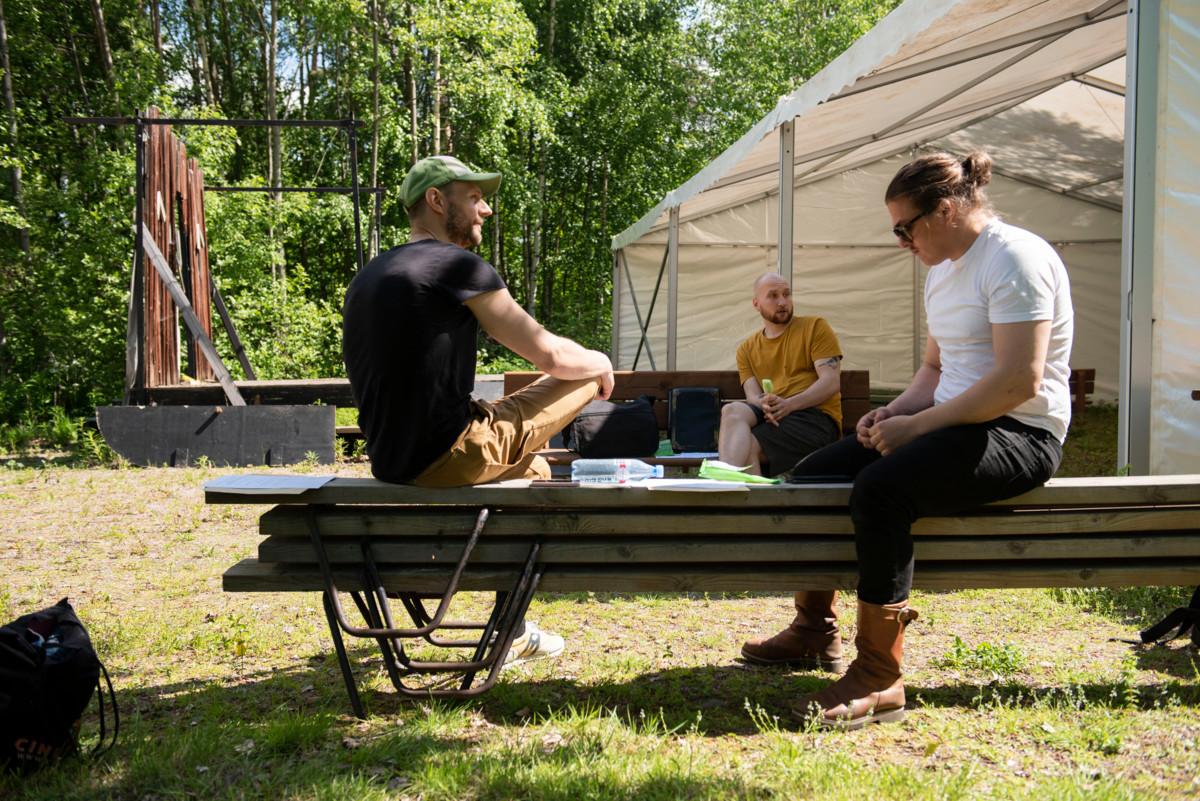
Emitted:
<point x="883" y="431"/>
<point x="774" y="408"/>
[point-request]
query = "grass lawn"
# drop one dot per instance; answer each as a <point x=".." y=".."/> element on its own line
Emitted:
<point x="1016" y="694"/>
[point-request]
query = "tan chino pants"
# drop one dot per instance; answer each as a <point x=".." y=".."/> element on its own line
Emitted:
<point x="500" y="440"/>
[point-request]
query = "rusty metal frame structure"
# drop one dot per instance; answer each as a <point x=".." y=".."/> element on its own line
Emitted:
<point x="489" y="650"/>
<point x="140" y="121"/>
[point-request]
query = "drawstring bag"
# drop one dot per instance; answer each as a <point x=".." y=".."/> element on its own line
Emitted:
<point x="48" y="672"/>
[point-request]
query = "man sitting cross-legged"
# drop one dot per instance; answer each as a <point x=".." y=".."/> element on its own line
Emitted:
<point x="411" y="323"/>
<point x="773" y="430"/>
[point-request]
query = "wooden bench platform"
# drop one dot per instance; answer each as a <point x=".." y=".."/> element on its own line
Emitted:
<point x="378" y="542"/>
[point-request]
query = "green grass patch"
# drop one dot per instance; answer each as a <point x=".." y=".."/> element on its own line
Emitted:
<point x="1017" y="695"/>
<point x="1001" y="660"/>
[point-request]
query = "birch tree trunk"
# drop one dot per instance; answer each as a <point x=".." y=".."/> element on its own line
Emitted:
<point x="11" y="107"/>
<point x="156" y="28"/>
<point x="232" y="96"/>
<point x="373" y="232"/>
<point x="437" y="101"/>
<point x="275" y="150"/>
<point x="102" y="41"/>
<point x="531" y="241"/>
<point x="200" y="21"/>
<point x="410" y="82"/>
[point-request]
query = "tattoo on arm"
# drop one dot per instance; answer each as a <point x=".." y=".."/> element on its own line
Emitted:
<point x="832" y="361"/>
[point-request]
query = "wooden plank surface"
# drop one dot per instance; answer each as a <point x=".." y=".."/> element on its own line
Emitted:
<point x="401" y="521"/>
<point x="675" y="552"/>
<point x="250" y="575"/>
<point x="331" y="391"/>
<point x="1081" y="492"/>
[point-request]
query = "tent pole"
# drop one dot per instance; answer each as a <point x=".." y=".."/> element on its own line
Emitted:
<point x="643" y="327"/>
<point x="1137" y="249"/>
<point x="615" y="352"/>
<point x="787" y="167"/>
<point x="672" y="286"/>
<point x="944" y="97"/>
<point x="918" y="298"/>
<point x="1103" y="13"/>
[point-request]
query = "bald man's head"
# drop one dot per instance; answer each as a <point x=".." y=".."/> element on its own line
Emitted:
<point x="773" y="298"/>
<point x="768" y="278"/>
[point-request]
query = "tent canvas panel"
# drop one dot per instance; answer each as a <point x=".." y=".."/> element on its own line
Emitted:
<point x="1175" y="365"/>
<point x="847" y="268"/>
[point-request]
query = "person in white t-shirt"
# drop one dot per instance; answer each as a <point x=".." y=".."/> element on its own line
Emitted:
<point x="983" y="419"/>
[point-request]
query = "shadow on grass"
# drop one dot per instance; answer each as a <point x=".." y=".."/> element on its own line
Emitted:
<point x="288" y="734"/>
<point x="19" y="461"/>
<point x="710" y="700"/>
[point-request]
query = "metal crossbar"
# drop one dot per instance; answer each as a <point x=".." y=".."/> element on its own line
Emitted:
<point x="489" y="650"/>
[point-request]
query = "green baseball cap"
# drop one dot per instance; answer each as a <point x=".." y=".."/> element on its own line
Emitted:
<point x="434" y="171"/>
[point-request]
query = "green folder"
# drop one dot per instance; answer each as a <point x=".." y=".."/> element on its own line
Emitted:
<point x="708" y="470"/>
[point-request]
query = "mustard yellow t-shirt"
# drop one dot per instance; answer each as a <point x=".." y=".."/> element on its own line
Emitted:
<point x="790" y="359"/>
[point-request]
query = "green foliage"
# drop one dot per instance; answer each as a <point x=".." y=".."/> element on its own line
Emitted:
<point x="1001" y="660"/>
<point x="57" y="430"/>
<point x="591" y="109"/>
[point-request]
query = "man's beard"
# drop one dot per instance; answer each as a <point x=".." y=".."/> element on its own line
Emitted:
<point x="458" y="229"/>
<point x="786" y="314"/>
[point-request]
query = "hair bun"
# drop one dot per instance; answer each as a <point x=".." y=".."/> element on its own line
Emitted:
<point x="977" y="169"/>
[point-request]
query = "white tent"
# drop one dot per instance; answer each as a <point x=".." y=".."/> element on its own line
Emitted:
<point x="1039" y="84"/>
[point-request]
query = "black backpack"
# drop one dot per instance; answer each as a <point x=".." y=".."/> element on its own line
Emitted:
<point x="48" y="671"/>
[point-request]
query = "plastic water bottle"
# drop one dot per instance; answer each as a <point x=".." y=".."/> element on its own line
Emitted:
<point x="613" y="471"/>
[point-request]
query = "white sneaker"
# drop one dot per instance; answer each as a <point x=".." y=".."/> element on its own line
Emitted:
<point x="534" y="644"/>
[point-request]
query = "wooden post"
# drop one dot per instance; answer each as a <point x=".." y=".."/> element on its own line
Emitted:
<point x="189" y="317"/>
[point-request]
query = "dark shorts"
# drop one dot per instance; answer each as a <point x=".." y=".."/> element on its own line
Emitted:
<point x="796" y="436"/>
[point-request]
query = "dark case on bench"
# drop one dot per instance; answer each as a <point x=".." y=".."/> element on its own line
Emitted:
<point x="694" y="416"/>
<point x="605" y="430"/>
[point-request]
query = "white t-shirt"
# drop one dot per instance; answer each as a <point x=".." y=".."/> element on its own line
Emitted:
<point x="1008" y="275"/>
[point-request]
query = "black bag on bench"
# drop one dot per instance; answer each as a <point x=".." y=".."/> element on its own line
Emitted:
<point x="694" y="418"/>
<point x="603" y="429"/>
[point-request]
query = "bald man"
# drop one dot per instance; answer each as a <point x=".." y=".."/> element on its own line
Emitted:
<point x="772" y="431"/>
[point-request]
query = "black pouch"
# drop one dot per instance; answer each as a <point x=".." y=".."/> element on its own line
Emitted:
<point x="603" y="429"/>
<point x="694" y="416"/>
<point x="48" y="672"/>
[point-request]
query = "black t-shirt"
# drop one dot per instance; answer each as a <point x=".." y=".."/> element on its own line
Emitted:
<point x="409" y="346"/>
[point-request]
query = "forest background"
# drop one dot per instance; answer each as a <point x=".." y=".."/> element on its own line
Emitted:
<point x="592" y="109"/>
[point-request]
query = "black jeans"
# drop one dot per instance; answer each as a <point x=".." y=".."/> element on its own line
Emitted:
<point x="944" y="472"/>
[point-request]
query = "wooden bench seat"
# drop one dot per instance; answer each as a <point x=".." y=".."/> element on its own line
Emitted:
<point x="375" y="540"/>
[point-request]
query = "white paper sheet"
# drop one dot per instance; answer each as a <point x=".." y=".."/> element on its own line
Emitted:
<point x="690" y="485"/>
<point x="260" y="484"/>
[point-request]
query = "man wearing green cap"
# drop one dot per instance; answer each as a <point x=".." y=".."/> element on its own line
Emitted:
<point x="411" y="322"/>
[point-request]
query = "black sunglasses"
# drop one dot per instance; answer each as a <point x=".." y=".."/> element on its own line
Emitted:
<point x="903" y="230"/>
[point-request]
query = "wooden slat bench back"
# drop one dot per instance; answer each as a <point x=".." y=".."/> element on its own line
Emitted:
<point x="630" y="385"/>
<point x="856" y="393"/>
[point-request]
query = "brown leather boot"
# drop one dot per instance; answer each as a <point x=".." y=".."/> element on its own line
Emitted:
<point x="812" y="639"/>
<point x="872" y="690"/>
